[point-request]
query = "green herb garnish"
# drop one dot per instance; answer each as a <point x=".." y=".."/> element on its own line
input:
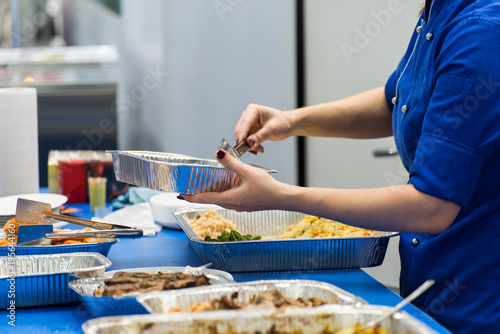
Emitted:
<point x="233" y="236"/>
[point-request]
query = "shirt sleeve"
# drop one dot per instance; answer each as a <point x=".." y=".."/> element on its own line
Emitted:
<point x="461" y="128"/>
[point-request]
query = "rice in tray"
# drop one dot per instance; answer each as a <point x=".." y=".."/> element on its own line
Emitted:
<point x="210" y="224"/>
<point x="316" y="227"/>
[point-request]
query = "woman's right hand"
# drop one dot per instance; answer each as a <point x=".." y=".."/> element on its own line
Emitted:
<point x="260" y="123"/>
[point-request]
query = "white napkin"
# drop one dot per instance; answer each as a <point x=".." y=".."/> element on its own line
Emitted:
<point x="137" y="215"/>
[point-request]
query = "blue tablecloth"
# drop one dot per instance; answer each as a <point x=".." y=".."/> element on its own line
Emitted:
<point x="171" y="248"/>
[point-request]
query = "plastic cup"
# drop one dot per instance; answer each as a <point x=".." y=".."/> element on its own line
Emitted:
<point x="97" y="192"/>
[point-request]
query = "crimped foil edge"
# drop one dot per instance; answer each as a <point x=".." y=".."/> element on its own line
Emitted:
<point x="322" y="319"/>
<point x="124" y="305"/>
<point x="43" y="279"/>
<point x="172" y="172"/>
<point x="162" y="301"/>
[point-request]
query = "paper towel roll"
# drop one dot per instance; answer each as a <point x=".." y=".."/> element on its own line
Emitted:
<point x="18" y="141"/>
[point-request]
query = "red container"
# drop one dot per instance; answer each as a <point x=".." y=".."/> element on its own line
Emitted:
<point x="73" y="180"/>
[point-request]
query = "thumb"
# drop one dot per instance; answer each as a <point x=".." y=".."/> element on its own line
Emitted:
<point x="230" y="162"/>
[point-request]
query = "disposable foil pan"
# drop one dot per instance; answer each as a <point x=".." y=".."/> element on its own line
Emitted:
<point x="172" y="172"/>
<point x="98" y="247"/>
<point x="163" y="301"/>
<point x="318" y="320"/>
<point x="31" y="280"/>
<point x="272" y="253"/>
<point x="124" y="305"/>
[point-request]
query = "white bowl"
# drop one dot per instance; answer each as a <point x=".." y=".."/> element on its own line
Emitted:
<point x="162" y="206"/>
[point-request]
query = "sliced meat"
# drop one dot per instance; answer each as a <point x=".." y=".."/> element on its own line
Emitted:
<point x="128" y="282"/>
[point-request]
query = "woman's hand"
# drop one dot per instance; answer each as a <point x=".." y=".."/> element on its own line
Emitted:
<point x="256" y="189"/>
<point x="260" y="123"/>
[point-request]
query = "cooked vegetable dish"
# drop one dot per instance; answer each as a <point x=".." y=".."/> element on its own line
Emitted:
<point x="316" y="227"/>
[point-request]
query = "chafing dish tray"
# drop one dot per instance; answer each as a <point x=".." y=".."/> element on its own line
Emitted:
<point x="163" y="301"/>
<point x="123" y="305"/>
<point x="273" y="253"/>
<point x="319" y="320"/>
<point x="31" y="280"/>
<point x="172" y="172"/>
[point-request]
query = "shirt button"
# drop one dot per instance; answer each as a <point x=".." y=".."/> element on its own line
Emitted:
<point x="404" y="109"/>
<point x="429" y="36"/>
<point x="418" y="29"/>
<point x="394" y="100"/>
<point x="415" y="242"/>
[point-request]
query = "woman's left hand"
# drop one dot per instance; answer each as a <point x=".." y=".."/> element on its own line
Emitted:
<point x="255" y="189"/>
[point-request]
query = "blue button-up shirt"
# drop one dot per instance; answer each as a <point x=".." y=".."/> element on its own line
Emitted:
<point x="445" y="97"/>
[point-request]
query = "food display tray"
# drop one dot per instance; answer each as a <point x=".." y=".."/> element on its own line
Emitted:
<point x="102" y="248"/>
<point x="124" y="305"/>
<point x="172" y="172"/>
<point x="31" y="280"/>
<point x="272" y="253"/>
<point x="318" y="320"/>
<point x="162" y="301"/>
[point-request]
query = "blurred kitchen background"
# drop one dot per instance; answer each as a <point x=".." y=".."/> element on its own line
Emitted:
<point x="175" y="75"/>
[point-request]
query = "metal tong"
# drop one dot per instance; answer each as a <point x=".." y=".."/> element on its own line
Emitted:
<point x="236" y="151"/>
<point x="41" y="213"/>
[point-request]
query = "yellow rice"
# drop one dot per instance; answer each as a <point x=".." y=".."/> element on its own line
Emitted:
<point x="316" y="227"/>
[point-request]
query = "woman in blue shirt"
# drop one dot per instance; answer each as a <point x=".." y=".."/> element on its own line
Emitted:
<point x="442" y="104"/>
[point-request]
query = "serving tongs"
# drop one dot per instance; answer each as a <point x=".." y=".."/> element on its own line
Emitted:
<point x="40" y="214"/>
<point x="236" y="151"/>
<point x="42" y="235"/>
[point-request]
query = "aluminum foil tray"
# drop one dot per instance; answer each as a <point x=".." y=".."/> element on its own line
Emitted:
<point x="124" y="305"/>
<point x="100" y="247"/>
<point x="172" y="172"/>
<point x="269" y="254"/>
<point x="319" y="320"/>
<point x="162" y="301"/>
<point x="43" y="279"/>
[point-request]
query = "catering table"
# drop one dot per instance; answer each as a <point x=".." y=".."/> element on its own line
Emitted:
<point x="171" y="248"/>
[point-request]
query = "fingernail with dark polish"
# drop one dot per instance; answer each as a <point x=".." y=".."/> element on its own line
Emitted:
<point x="253" y="152"/>
<point x="221" y="154"/>
<point x="180" y="197"/>
<point x="251" y="142"/>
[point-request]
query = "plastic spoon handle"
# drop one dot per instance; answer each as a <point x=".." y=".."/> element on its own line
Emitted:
<point x="427" y="284"/>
